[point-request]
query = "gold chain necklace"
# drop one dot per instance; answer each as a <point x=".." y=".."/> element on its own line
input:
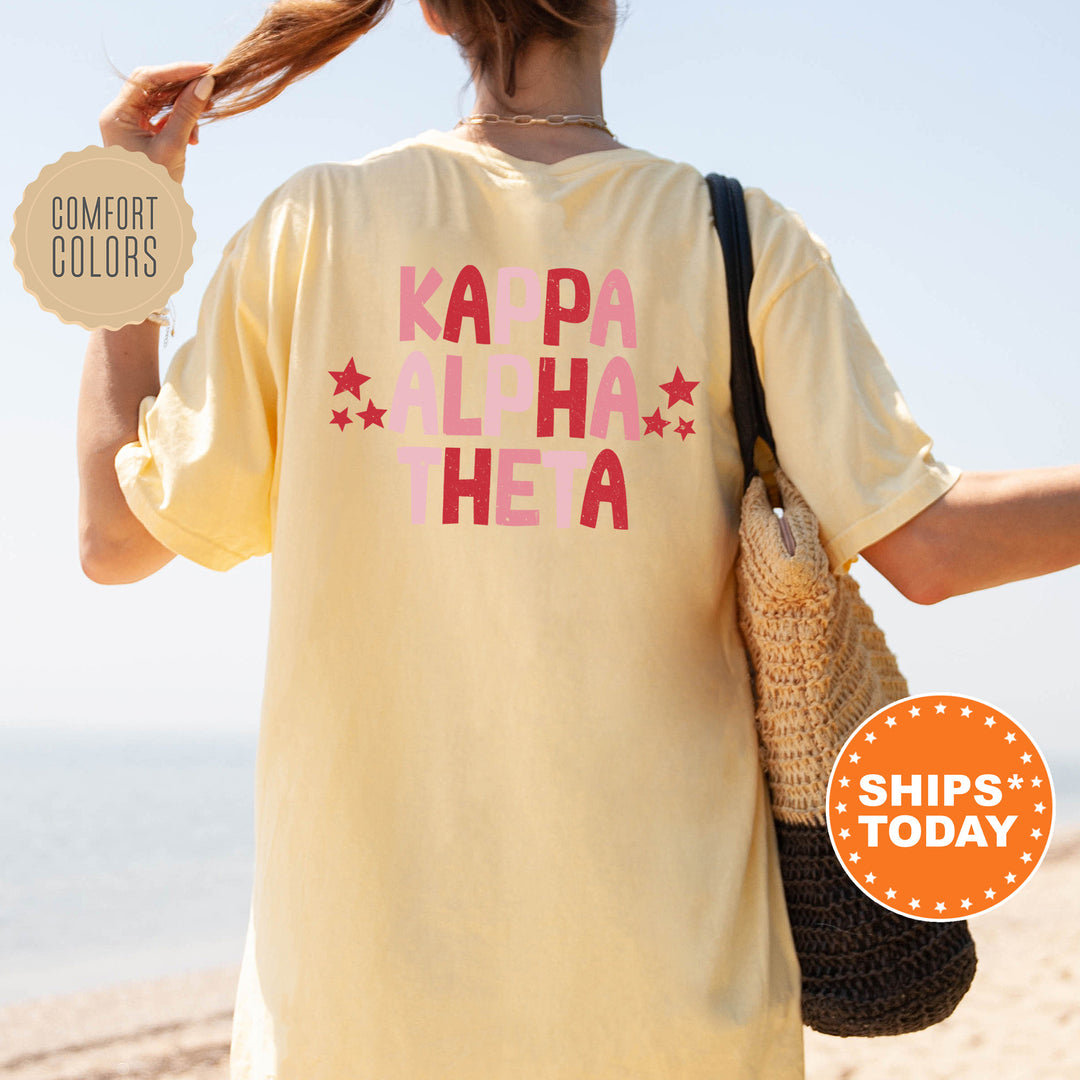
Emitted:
<point x="555" y="120"/>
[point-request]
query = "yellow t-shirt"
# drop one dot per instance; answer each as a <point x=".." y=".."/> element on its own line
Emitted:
<point x="510" y="823"/>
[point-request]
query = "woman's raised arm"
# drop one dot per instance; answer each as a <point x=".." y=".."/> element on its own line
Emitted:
<point x="121" y="366"/>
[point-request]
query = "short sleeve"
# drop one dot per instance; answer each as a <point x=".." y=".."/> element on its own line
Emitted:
<point x="844" y="434"/>
<point x="201" y="476"/>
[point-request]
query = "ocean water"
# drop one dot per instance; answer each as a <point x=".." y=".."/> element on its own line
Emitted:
<point x="122" y="856"/>
<point x="128" y="856"/>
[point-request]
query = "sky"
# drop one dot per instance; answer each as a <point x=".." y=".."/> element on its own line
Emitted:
<point x="931" y="145"/>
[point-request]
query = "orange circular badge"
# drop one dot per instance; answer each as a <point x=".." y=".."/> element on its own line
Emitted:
<point x="940" y="807"/>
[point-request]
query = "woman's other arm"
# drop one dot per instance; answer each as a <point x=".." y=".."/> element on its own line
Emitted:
<point x="121" y="366"/>
<point x="989" y="528"/>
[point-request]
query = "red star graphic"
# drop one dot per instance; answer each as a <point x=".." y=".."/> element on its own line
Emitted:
<point x="350" y="379"/>
<point x="371" y="415"/>
<point x="341" y="418"/>
<point x="679" y="389"/>
<point x="655" y="423"/>
<point x="686" y="427"/>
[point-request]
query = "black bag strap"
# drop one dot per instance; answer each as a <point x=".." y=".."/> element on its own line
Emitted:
<point x="747" y="393"/>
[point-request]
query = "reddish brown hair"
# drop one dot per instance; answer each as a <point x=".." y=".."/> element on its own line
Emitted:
<point x="295" y="37"/>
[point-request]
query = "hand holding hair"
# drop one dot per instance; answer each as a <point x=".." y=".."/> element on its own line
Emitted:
<point x="129" y="120"/>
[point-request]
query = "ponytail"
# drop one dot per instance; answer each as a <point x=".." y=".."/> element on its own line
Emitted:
<point x="293" y="39"/>
<point x="296" y="37"/>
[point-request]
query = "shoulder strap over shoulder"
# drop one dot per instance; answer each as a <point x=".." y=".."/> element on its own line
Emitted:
<point x="747" y="393"/>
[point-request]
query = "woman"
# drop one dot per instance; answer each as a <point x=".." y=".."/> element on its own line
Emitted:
<point x="472" y="393"/>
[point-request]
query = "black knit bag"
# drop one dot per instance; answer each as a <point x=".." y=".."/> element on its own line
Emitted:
<point x="865" y="970"/>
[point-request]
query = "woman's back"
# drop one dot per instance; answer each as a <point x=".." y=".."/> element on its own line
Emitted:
<point x="510" y="820"/>
<point x="507" y="794"/>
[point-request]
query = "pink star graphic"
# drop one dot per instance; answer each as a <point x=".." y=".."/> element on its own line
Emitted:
<point x="655" y="423"/>
<point x="349" y="379"/>
<point x="679" y="389"/>
<point x="341" y="418"/>
<point x="686" y="427"/>
<point x="371" y="415"/>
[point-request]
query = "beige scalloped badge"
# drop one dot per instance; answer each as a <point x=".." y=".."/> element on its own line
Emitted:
<point x="103" y="237"/>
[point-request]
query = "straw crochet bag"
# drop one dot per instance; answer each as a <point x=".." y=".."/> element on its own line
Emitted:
<point x="820" y="667"/>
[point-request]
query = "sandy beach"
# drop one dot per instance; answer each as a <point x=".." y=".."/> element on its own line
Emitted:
<point x="1020" y="1020"/>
